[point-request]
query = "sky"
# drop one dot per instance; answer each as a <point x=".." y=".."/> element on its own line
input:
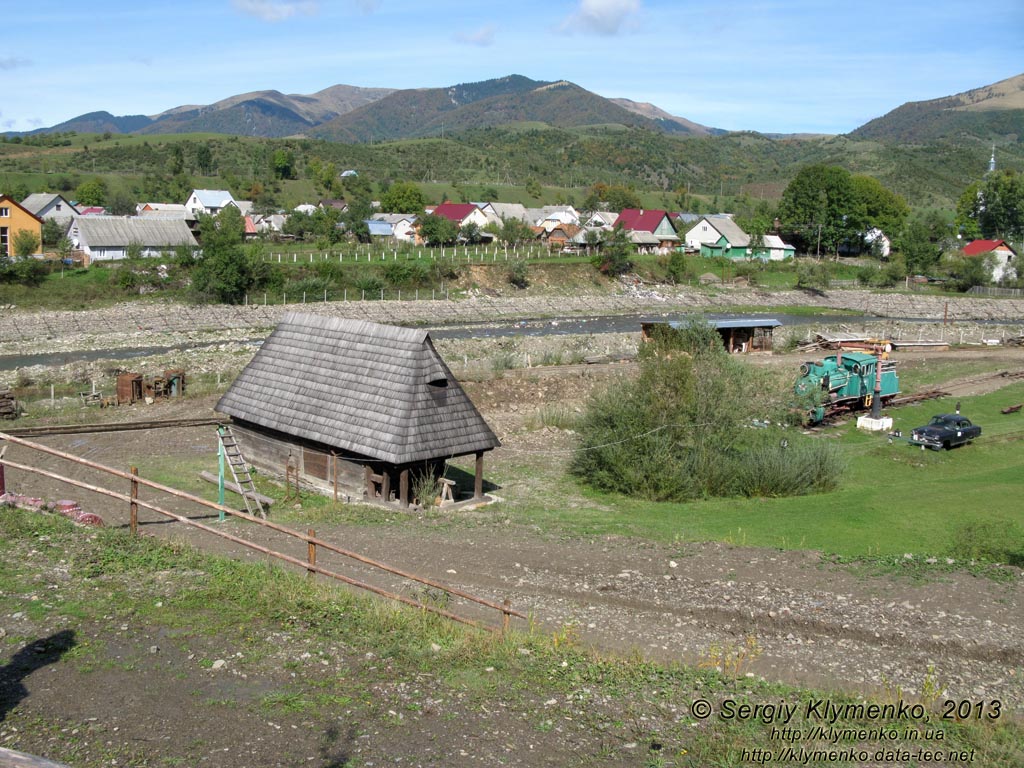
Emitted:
<point x="774" y="66"/>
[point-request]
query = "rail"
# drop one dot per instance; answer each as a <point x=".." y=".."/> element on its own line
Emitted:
<point x="312" y="541"/>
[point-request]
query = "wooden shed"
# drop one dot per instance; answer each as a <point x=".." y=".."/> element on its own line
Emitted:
<point x="354" y="406"/>
<point x="739" y="334"/>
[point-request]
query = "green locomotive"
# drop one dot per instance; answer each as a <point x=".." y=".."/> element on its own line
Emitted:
<point x="845" y="382"/>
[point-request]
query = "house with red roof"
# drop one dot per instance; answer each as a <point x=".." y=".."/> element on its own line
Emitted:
<point x="649" y="230"/>
<point x="462" y="214"/>
<point x="1004" y="257"/>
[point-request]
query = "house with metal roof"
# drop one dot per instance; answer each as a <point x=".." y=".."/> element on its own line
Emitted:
<point x="403" y="225"/>
<point x="1004" y="258"/>
<point x="717" y="235"/>
<point x="461" y="214"/>
<point x="650" y="231"/>
<point x="108" y="238"/>
<point x="209" y="201"/>
<point x="48" y="205"/>
<point x="354" y="407"/>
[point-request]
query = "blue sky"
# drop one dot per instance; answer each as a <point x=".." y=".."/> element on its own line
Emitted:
<point x="769" y="65"/>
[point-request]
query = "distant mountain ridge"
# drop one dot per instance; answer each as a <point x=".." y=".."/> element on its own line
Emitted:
<point x="351" y="113"/>
<point x="505" y="101"/>
<point x="988" y="113"/>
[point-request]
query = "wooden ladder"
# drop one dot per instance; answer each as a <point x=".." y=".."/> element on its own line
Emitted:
<point x="240" y="471"/>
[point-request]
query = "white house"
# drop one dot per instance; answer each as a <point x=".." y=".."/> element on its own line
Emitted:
<point x="878" y="242"/>
<point x="712" y="228"/>
<point x="108" y="238"/>
<point x="209" y="201"/>
<point x="403" y="225"/>
<point x="47" y="205"/>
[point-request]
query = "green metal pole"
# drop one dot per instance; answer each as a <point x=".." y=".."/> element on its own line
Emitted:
<point x="220" y="477"/>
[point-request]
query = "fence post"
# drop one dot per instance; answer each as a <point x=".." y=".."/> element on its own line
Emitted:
<point x="133" y="507"/>
<point x="311" y="555"/>
<point x="3" y="484"/>
<point x="505" y="615"/>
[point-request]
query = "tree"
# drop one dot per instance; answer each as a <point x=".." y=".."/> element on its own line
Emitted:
<point x="1003" y="214"/>
<point x="92" y="192"/>
<point x="437" y="230"/>
<point x="612" y="197"/>
<point x="876" y="206"/>
<point x="403" y="197"/>
<point x="52" y="232"/>
<point x="514" y="231"/>
<point x="919" y="248"/>
<point x="613" y="258"/>
<point x="816" y="208"/>
<point x="965" y="272"/>
<point x="993" y="208"/>
<point x="283" y="163"/>
<point x="204" y="159"/>
<point x="25" y="243"/>
<point x="533" y="187"/>
<point x="225" y="272"/>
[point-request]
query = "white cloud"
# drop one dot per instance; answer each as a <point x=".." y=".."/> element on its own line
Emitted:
<point x="367" y="6"/>
<point x="276" y="10"/>
<point x="603" y="17"/>
<point x="13" y="62"/>
<point x="483" y="36"/>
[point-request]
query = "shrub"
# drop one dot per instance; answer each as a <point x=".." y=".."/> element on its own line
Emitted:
<point x="371" y="285"/>
<point x="406" y="274"/>
<point x="682" y="429"/>
<point x="517" y="275"/>
<point x="988" y="540"/>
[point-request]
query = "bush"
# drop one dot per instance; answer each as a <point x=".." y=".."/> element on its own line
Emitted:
<point x="370" y="284"/>
<point x="517" y="275"/>
<point x="312" y="287"/>
<point x="682" y="429"/>
<point x="406" y="274"/>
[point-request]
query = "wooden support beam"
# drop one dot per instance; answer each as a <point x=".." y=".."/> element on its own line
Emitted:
<point x="385" y="484"/>
<point x="368" y="475"/>
<point x="478" y="479"/>
<point x="403" y="488"/>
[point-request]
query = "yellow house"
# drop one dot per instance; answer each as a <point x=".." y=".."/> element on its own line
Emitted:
<point x="14" y="218"/>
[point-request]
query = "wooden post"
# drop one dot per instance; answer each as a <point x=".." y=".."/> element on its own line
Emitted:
<point x="403" y="488"/>
<point x="505" y="615"/>
<point x="368" y="479"/>
<point x="385" y="485"/>
<point x="334" y="474"/>
<point x="3" y="483"/>
<point x="133" y="507"/>
<point x="478" y="480"/>
<point x="311" y="554"/>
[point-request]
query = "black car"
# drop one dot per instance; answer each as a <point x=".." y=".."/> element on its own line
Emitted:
<point x="945" y="431"/>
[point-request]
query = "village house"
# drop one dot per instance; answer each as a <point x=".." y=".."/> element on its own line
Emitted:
<point x="650" y="231"/>
<point x="400" y="226"/>
<point x="355" y="408"/>
<point x="14" y="218"/>
<point x="1004" y="257"/>
<point x="49" y="205"/>
<point x="461" y="214"/>
<point x="213" y="201"/>
<point x="717" y="231"/>
<point x="109" y="238"/>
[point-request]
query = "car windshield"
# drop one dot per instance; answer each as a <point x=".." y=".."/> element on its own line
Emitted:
<point x="938" y="420"/>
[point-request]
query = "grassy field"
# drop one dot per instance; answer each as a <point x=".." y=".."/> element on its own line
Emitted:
<point x="397" y="680"/>
<point x="893" y="498"/>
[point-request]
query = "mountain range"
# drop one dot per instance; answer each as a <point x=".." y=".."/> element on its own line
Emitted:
<point x="352" y="114"/>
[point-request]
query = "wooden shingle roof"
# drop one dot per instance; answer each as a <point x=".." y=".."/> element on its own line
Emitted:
<point x="378" y="391"/>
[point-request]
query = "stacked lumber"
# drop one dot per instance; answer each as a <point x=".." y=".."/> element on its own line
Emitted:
<point x="8" y="405"/>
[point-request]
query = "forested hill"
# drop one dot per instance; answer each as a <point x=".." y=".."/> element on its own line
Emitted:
<point x="508" y="101"/>
<point x="991" y="113"/>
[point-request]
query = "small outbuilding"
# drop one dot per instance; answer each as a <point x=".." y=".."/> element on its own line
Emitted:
<point x="354" y="407"/>
<point x="739" y="334"/>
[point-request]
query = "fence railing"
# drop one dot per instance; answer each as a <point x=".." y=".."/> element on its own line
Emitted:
<point x="313" y="542"/>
